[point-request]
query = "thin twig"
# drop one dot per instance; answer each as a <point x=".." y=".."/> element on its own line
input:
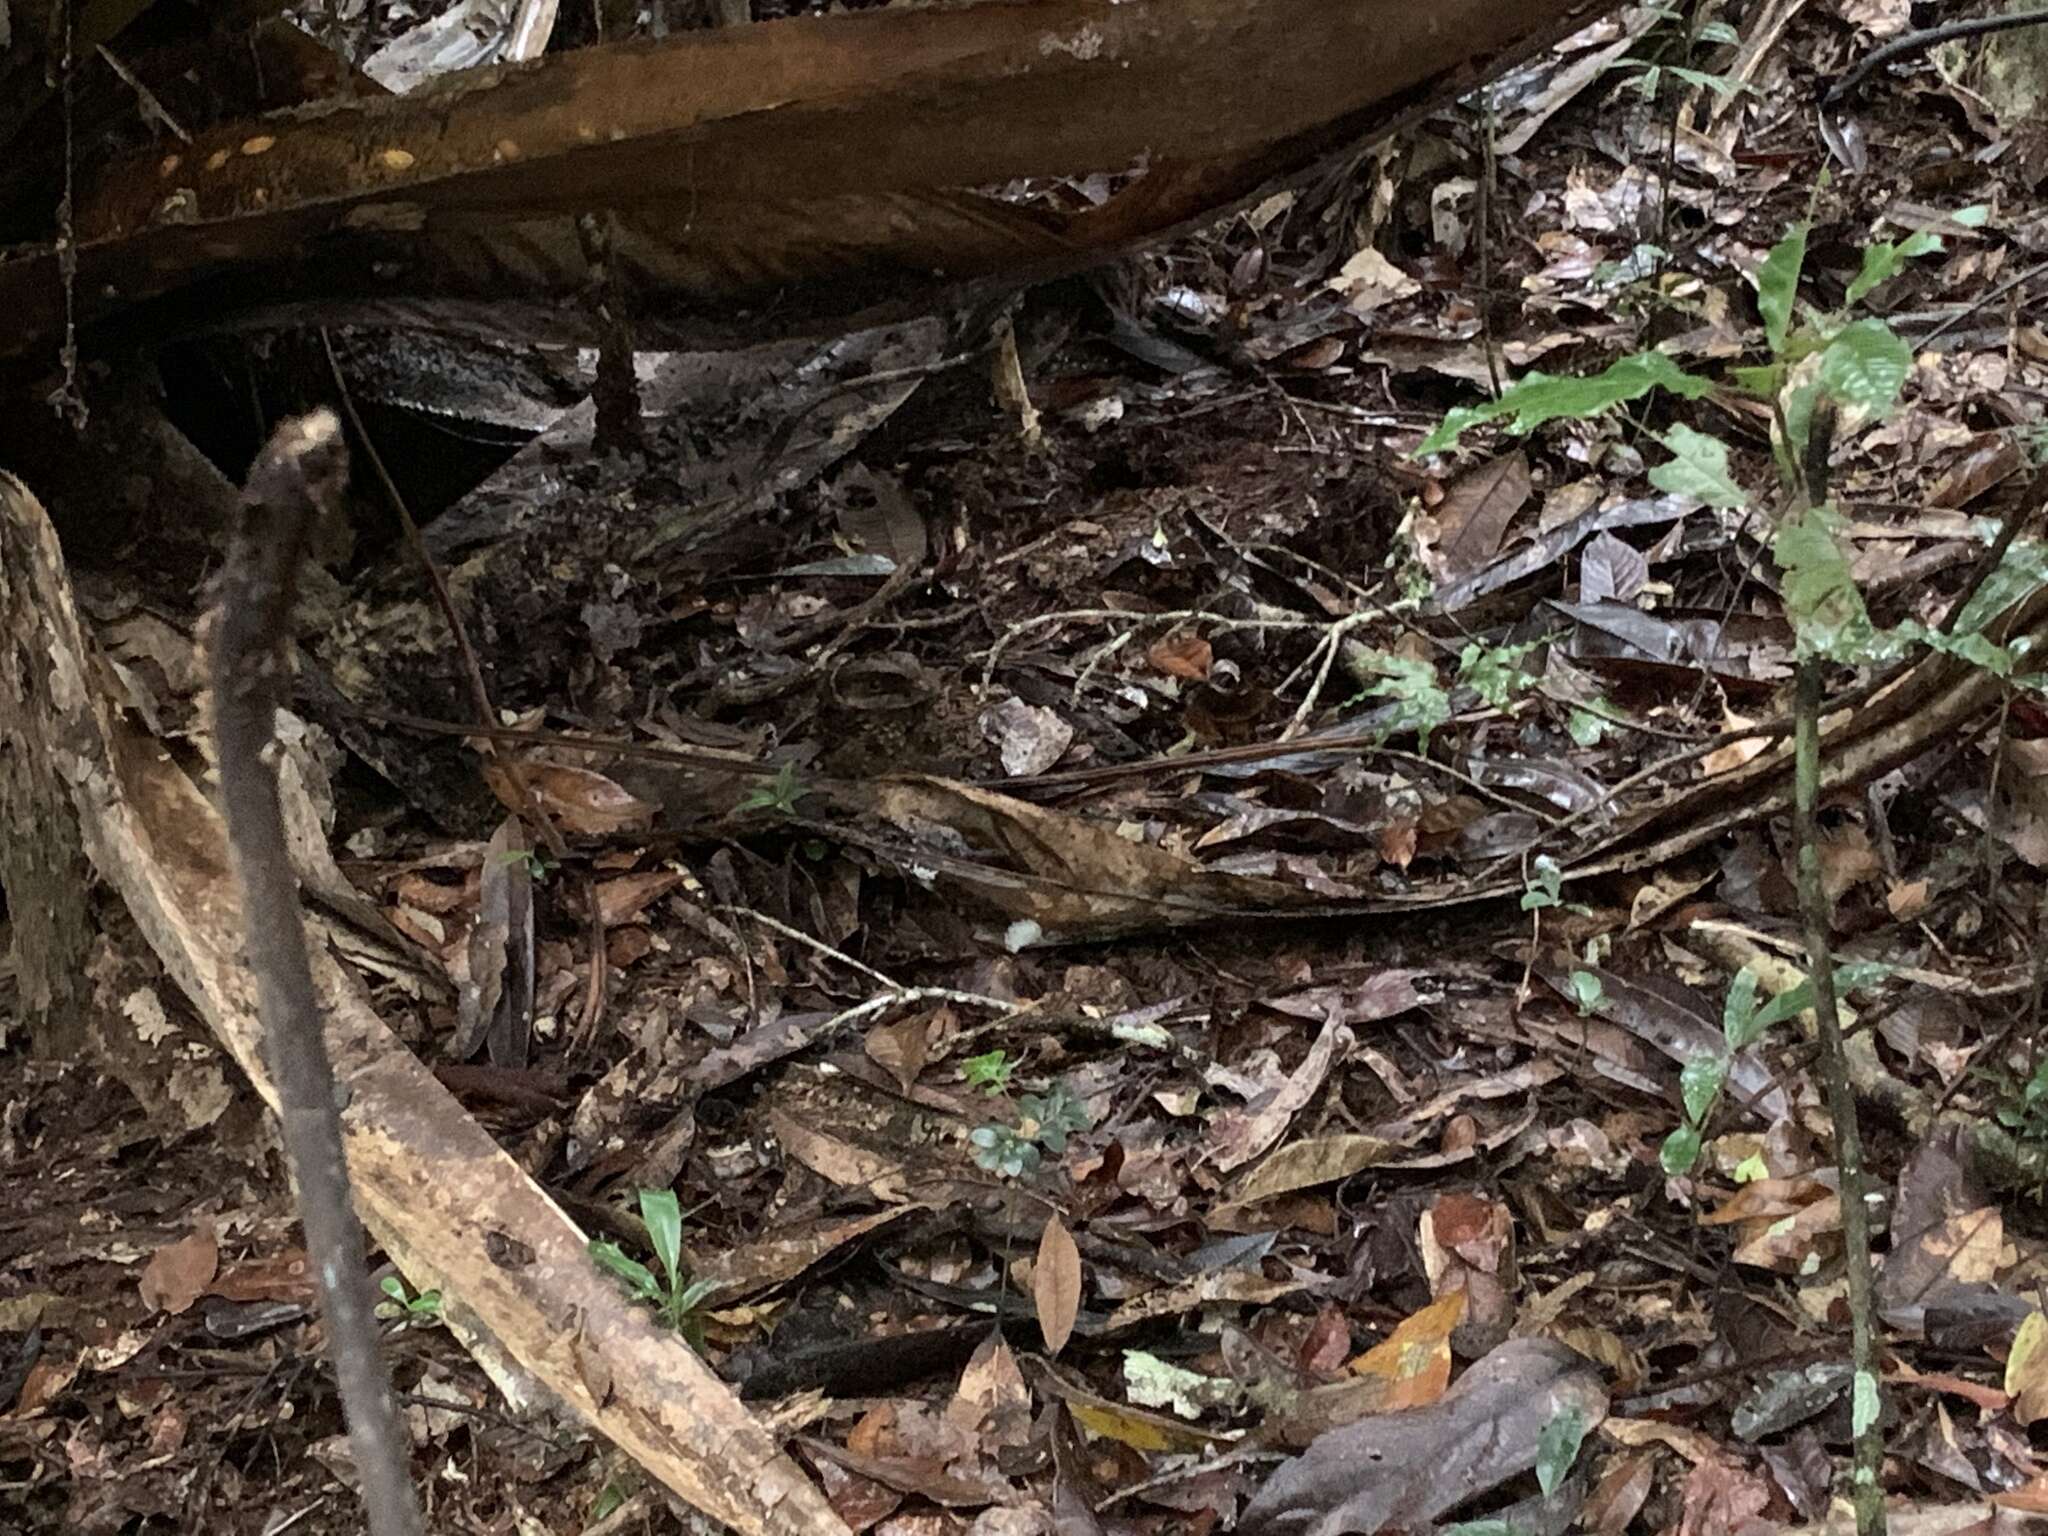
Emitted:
<point x="298" y="472"/>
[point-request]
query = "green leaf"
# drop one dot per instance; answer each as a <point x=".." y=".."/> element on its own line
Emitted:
<point x="1680" y="1151"/>
<point x="1723" y="86"/>
<point x="1717" y="32"/>
<point x="1787" y="1004"/>
<point x="1866" y="366"/>
<point x="639" y="1279"/>
<point x="1752" y="1168"/>
<point x="1698" y="468"/>
<point x="1494" y="671"/>
<point x="1763" y="380"/>
<point x="1738" y="1013"/>
<point x="1855" y="975"/>
<point x="989" y="1071"/>
<point x="1587" y="992"/>
<point x="2022" y="572"/>
<point x="1821" y="597"/>
<point x="1882" y="261"/>
<point x="1699" y="1085"/>
<point x="1972" y="217"/>
<point x="1538" y="397"/>
<point x="1978" y="650"/>
<point x="663" y="1214"/>
<point x="1777" y="285"/>
<point x="1587" y="730"/>
<point x="1411" y="683"/>
<point x="1557" y="1447"/>
<point x="1546" y="884"/>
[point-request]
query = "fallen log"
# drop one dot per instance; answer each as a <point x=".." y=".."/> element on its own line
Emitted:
<point x="804" y="175"/>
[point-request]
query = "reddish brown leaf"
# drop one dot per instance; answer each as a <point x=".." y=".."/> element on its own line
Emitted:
<point x="1185" y="656"/>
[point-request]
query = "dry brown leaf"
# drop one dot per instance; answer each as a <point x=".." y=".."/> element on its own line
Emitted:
<point x="901" y="1049"/>
<point x="1056" y="1285"/>
<point x="1618" y="1496"/>
<point x="179" y="1273"/>
<point x="1319" y="1160"/>
<point x="1183" y="656"/>
<point x="583" y="801"/>
<point x="622" y="900"/>
<point x="1727" y="759"/>
<point x="837" y="1161"/>
<point x="1475" y="513"/>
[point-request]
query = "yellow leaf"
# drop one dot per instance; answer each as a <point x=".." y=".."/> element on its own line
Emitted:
<point x="1140" y="1431"/>
<point x="2026" y="1370"/>
<point x="1415" y="1359"/>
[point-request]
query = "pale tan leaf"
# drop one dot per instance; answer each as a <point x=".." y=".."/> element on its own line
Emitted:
<point x="1056" y="1285"/>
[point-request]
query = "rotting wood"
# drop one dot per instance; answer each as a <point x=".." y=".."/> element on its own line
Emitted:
<point x="42" y="862"/>
<point x="424" y="1171"/>
<point x="818" y="164"/>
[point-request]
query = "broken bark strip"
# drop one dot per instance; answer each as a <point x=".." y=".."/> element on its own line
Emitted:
<point x="424" y="1171"/>
<point x="298" y="473"/>
<point x="830" y="150"/>
<point x="42" y="865"/>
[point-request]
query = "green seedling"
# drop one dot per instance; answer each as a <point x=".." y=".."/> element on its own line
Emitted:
<point x="1587" y="993"/>
<point x="1494" y="672"/>
<point x="990" y="1071"/>
<point x="777" y="796"/>
<point x="405" y="1309"/>
<point x="1045" y="1122"/>
<point x="537" y="867"/>
<point x="1703" y="1080"/>
<point x="674" y="1295"/>
<point x="1411" y="684"/>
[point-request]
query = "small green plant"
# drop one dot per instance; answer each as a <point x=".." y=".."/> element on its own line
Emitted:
<point x="1050" y="1118"/>
<point x="406" y="1309"/>
<point x="777" y="796"/>
<point x="1003" y="1150"/>
<point x="1044" y="1123"/>
<point x="1588" y="725"/>
<point x="537" y="866"/>
<point x="990" y="1071"/>
<point x="1545" y="888"/>
<point x="1411" y="683"/>
<point x="2023" y="1106"/>
<point x="1494" y="672"/>
<point x="1680" y="38"/>
<point x="1587" y="993"/>
<point x="1546" y="885"/>
<point x="676" y="1297"/>
<point x="1702" y="1080"/>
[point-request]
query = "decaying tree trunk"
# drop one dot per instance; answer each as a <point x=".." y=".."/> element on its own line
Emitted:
<point x="42" y="862"/>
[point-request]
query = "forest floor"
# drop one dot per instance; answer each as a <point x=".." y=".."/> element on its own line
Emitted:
<point x="1241" y="917"/>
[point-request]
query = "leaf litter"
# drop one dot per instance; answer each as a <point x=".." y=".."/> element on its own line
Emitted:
<point x="1182" y="946"/>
